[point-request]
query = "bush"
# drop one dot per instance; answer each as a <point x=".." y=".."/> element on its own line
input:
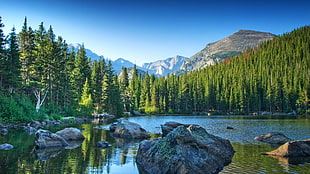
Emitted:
<point x="17" y="109"/>
<point x="56" y="116"/>
<point x="151" y="109"/>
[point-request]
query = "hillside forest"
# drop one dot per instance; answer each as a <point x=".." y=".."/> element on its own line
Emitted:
<point x="41" y="77"/>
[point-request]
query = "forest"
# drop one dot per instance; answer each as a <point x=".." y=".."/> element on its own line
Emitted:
<point x="42" y="78"/>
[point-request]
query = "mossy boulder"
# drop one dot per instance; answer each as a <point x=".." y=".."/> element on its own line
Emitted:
<point x="186" y="149"/>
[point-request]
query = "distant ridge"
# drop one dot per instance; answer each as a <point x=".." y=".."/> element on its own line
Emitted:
<point x="227" y="47"/>
<point x="89" y="53"/>
<point x="212" y="53"/>
<point x="165" y="67"/>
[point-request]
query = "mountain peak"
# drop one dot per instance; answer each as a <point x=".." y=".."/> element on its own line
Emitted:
<point x="227" y="47"/>
<point x="167" y="66"/>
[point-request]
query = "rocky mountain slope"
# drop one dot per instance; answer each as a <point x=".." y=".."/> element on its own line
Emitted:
<point x="164" y="67"/>
<point x="227" y="47"/>
<point x="89" y="53"/>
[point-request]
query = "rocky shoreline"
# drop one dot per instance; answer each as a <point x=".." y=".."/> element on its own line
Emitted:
<point x="33" y="126"/>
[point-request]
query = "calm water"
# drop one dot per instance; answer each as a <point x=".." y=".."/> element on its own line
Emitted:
<point x="120" y="157"/>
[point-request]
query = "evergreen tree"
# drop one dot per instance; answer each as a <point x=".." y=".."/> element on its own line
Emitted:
<point x="135" y="88"/>
<point x="26" y="49"/>
<point x="125" y="90"/>
<point x="97" y="74"/>
<point x="86" y="99"/>
<point x="80" y="72"/>
<point x="3" y="55"/>
<point x="13" y="66"/>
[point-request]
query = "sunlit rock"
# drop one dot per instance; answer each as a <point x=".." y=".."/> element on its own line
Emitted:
<point x="71" y="134"/>
<point x="126" y="129"/>
<point x="46" y="139"/>
<point x="300" y="148"/>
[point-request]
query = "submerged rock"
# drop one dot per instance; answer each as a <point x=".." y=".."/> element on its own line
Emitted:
<point x="3" y="130"/>
<point x="184" y="150"/>
<point x="126" y="129"/>
<point x="71" y="134"/>
<point x="6" y="146"/>
<point x="102" y="144"/>
<point x="273" y="138"/>
<point x="300" y="148"/>
<point x="28" y="129"/>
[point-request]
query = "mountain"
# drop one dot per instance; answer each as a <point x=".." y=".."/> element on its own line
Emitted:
<point x="89" y="53"/>
<point x="227" y="47"/>
<point x="160" y="67"/>
<point x="164" y="67"/>
<point x="119" y="63"/>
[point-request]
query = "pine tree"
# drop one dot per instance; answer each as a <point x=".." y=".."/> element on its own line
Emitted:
<point x="135" y="88"/>
<point x="3" y="55"/>
<point x="97" y="74"/>
<point x="79" y="74"/>
<point x="26" y="49"/>
<point x="13" y="67"/>
<point x="86" y="99"/>
<point x="125" y="93"/>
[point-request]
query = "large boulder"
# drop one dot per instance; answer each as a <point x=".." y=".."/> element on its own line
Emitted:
<point x="126" y="129"/>
<point x="300" y="148"/>
<point x="273" y="138"/>
<point x="71" y="134"/>
<point x="45" y="139"/>
<point x="184" y="150"/>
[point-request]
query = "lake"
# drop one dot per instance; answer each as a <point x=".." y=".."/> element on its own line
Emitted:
<point x="120" y="157"/>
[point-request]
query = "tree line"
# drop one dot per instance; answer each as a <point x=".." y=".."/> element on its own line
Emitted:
<point x="40" y="76"/>
<point x="273" y="77"/>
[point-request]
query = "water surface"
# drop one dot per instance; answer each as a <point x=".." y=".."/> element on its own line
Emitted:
<point x="120" y="157"/>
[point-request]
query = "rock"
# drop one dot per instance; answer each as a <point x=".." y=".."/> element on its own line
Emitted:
<point x="30" y="130"/>
<point x="45" y="139"/>
<point x="229" y="127"/>
<point x="300" y="148"/>
<point x="184" y="150"/>
<point x="273" y="138"/>
<point x="4" y="131"/>
<point x="137" y="113"/>
<point x="6" y="146"/>
<point x="36" y="124"/>
<point x="70" y="134"/>
<point x="126" y="129"/>
<point x="169" y="126"/>
<point x="102" y="144"/>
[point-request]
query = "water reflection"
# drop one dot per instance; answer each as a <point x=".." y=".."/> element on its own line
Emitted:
<point x="120" y="157"/>
<point x="291" y="160"/>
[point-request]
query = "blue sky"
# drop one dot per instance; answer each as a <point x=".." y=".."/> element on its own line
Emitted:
<point x="148" y="30"/>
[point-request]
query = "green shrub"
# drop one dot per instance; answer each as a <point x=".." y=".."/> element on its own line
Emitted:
<point x="17" y="109"/>
<point x="151" y="109"/>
